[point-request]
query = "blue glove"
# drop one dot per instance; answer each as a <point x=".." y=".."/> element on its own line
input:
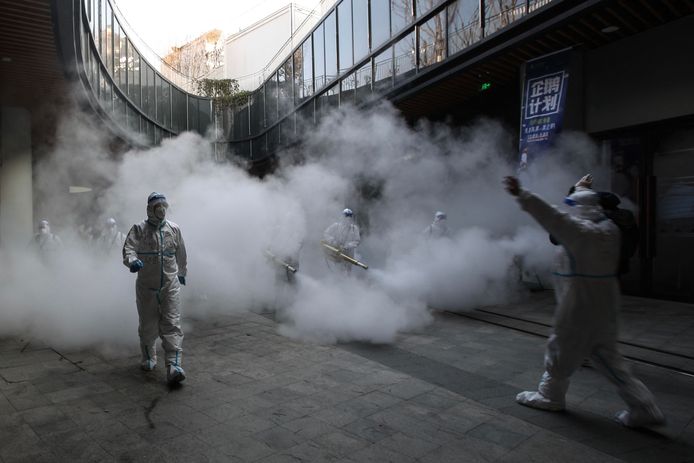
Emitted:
<point x="182" y="280"/>
<point x="136" y="266"/>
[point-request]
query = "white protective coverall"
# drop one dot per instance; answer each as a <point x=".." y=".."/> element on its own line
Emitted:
<point x="159" y="245"/>
<point x="586" y="316"/>
<point x="345" y="236"/>
<point x="438" y="228"/>
<point x="111" y="239"/>
<point x="45" y="242"/>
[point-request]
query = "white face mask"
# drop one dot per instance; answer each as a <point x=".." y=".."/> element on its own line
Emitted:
<point x="160" y="211"/>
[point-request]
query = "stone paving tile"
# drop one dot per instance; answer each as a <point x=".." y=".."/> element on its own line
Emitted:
<point x="377" y="453"/>
<point x="24" y="396"/>
<point x="369" y="430"/>
<point x="278" y="438"/>
<point x="466" y="449"/>
<point x="339" y="443"/>
<point x="407" y="444"/>
<point x="245" y="448"/>
<point x="308" y="427"/>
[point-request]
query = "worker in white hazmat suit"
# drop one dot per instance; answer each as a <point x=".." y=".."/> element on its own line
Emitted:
<point x="587" y="292"/>
<point x="45" y="242"/>
<point x="344" y="235"/>
<point x="111" y="239"/>
<point x="155" y="249"/>
<point x="438" y="228"/>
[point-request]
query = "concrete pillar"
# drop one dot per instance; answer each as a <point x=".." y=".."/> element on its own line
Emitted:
<point x="16" y="186"/>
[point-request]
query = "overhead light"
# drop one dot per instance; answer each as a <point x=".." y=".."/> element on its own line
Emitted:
<point x="6" y="59"/>
<point x="609" y="29"/>
<point x="79" y="189"/>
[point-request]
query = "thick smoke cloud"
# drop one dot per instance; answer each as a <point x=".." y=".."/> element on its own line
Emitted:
<point x="392" y="175"/>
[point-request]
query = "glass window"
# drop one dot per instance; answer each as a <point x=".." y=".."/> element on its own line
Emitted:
<point x="463" y="25"/>
<point x="108" y="39"/>
<point x="163" y="101"/>
<point x="298" y="74"/>
<point x="424" y="6"/>
<point x="204" y="114"/>
<point x="273" y="139"/>
<point x="405" y="57"/>
<point x="401" y="15"/>
<point x="118" y="77"/>
<point x="134" y="75"/>
<point x="271" y="100"/>
<point x="305" y="115"/>
<point x="287" y="130"/>
<point x="307" y="77"/>
<point x="119" y="108"/>
<point x="105" y="92"/>
<point x="148" y="92"/>
<point x="500" y="13"/>
<point x="364" y="79"/>
<point x="179" y="105"/>
<point x="380" y="22"/>
<point x="319" y="57"/>
<point x="241" y="122"/>
<point x="347" y="86"/>
<point x="344" y="29"/>
<point x="259" y="147"/>
<point x="133" y="119"/>
<point x="432" y="40"/>
<point x="242" y="149"/>
<point x="257" y="102"/>
<point x="383" y="71"/>
<point x="285" y="88"/>
<point x="330" y="32"/>
<point x="360" y="23"/>
<point x="333" y="95"/>
<point x="193" y="115"/>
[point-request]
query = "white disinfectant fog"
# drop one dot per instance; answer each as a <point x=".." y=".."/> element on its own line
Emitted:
<point x="393" y="176"/>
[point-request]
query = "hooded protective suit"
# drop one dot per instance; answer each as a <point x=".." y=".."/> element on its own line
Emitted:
<point x="45" y="242"/>
<point x="111" y="239"/>
<point x="586" y="317"/>
<point x="155" y="248"/>
<point x="345" y="236"/>
<point x="438" y="228"/>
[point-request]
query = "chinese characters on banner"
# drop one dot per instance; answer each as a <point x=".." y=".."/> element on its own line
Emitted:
<point x="544" y="96"/>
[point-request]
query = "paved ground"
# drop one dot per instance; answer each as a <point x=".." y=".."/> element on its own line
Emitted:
<point x="439" y="395"/>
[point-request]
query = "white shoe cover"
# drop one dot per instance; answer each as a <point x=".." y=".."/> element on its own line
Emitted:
<point x="148" y="365"/>
<point x="175" y="374"/>
<point x="536" y="400"/>
<point x="640" y="418"/>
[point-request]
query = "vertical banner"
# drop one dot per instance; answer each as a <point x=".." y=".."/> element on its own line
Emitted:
<point x="542" y="110"/>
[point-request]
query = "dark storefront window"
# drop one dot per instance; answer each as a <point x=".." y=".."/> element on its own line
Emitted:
<point x="319" y="58"/>
<point x="463" y="25"/>
<point x="360" y="23"/>
<point x="330" y="25"/>
<point x="344" y="29"/>
<point x="405" y="58"/>
<point x="380" y="22"/>
<point x="500" y="13"/>
<point x="432" y="40"/>
<point x="401" y="15"/>
<point x="287" y="130"/>
<point x="383" y="71"/>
